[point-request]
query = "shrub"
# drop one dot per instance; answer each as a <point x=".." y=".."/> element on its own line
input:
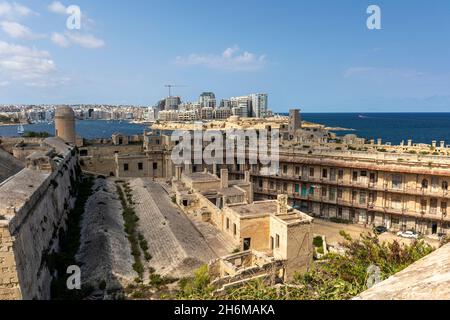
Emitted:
<point x="318" y="242"/>
<point x="197" y="287"/>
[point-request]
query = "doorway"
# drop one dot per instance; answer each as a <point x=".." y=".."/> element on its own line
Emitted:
<point x="247" y="243"/>
<point x="434" y="228"/>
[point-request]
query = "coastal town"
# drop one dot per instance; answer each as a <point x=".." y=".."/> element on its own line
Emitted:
<point x="147" y="223"/>
<point x="224" y="159"/>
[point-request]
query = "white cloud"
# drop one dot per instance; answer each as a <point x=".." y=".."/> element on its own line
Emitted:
<point x="14" y="10"/>
<point x="19" y="31"/>
<point x="57" y="7"/>
<point x="60" y="40"/>
<point x="84" y="40"/>
<point x="382" y="73"/>
<point x="355" y="71"/>
<point x="231" y="60"/>
<point x="4" y="83"/>
<point x="28" y="66"/>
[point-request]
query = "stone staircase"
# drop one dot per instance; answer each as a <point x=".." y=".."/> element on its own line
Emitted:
<point x="177" y="248"/>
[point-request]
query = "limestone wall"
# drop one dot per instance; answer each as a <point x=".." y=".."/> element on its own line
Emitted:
<point x="33" y="216"/>
<point x="9" y="283"/>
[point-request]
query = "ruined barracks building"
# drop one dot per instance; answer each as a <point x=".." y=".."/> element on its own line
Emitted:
<point x="271" y="227"/>
<point x="401" y="187"/>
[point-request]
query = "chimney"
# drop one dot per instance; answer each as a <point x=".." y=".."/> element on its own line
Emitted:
<point x="223" y="178"/>
<point x="282" y="204"/>
<point x="434" y="143"/>
<point x="214" y="169"/>
<point x="178" y="171"/>
<point x="409" y="143"/>
<point x="442" y="144"/>
<point x="379" y="141"/>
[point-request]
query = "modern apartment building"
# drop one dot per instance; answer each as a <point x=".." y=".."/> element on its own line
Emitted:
<point x="259" y="105"/>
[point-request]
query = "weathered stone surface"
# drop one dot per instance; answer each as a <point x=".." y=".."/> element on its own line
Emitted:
<point x="176" y="246"/>
<point x="9" y="165"/>
<point x="427" y="279"/>
<point x="105" y="252"/>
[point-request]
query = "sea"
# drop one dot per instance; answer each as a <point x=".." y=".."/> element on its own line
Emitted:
<point x="391" y="127"/>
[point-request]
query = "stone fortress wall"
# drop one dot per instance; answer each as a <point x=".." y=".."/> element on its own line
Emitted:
<point x="34" y="204"/>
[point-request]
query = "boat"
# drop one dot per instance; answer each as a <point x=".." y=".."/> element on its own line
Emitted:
<point x="20" y="129"/>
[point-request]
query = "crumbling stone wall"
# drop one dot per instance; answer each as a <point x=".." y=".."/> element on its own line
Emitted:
<point x="32" y="230"/>
<point x="9" y="282"/>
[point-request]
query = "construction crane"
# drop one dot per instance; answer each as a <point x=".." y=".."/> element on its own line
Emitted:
<point x="170" y="86"/>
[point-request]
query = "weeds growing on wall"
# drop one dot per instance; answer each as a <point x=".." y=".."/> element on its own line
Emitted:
<point x="69" y="241"/>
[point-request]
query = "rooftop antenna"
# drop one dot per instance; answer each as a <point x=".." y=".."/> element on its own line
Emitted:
<point x="170" y="86"/>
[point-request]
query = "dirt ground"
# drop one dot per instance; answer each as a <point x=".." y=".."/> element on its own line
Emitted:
<point x="331" y="232"/>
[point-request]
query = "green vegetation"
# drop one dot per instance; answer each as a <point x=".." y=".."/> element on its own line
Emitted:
<point x="334" y="277"/>
<point x="69" y="245"/>
<point x="197" y="287"/>
<point x="8" y="120"/>
<point x="131" y="219"/>
<point x="144" y="247"/>
<point x="33" y="134"/>
<point x="318" y="242"/>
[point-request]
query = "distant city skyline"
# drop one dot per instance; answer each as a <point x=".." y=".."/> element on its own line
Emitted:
<point x="318" y="56"/>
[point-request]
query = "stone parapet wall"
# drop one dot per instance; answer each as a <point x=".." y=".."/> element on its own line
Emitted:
<point x="9" y="282"/>
<point x="30" y="225"/>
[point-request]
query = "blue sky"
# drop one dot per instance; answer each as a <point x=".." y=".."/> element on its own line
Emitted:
<point x="317" y="55"/>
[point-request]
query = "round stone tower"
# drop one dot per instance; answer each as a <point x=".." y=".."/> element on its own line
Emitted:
<point x="65" y="124"/>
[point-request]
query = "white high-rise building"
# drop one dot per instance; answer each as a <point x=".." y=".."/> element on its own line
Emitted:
<point x="259" y="105"/>
<point x="207" y="100"/>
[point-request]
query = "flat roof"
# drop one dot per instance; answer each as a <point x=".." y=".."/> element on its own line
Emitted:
<point x="231" y="191"/>
<point x="255" y="208"/>
<point x="19" y="188"/>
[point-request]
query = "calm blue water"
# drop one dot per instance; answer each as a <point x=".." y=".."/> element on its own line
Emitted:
<point x="88" y="129"/>
<point x="392" y="127"/>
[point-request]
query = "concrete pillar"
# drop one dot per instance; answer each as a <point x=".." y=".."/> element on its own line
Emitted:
<point x="282" y="204"/>
<point x="187" y="168"/>
<point x="223" y="178"/>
